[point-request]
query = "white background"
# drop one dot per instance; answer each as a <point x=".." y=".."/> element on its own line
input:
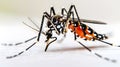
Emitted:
<point x="93" y="9"/>
<point x="68" y="53"/>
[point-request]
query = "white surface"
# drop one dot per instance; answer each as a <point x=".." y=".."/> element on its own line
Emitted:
<point x="66" y="54"/>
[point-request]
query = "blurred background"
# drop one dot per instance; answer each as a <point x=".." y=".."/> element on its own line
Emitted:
<point x="106" y="10"/>
<point x="68" y="53"/>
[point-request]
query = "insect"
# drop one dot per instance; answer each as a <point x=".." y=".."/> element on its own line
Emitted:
<point x="60" y="24"/>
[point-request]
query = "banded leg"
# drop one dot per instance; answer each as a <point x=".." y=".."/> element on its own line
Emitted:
<point x="109" y="43"/>
<point x="9" y="57"/>
<point x="98" y="55"/>
<point x="45" y="15"/>
<point x="19" y="43"/>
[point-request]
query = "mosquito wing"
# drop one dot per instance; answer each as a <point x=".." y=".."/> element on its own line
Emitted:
<point x="90" y="21"/>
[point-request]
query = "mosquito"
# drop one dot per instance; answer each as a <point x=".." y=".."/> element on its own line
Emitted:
<point x="60" y="24"/>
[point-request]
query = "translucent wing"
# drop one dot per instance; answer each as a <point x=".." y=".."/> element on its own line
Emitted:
<point x="90" y="21"/>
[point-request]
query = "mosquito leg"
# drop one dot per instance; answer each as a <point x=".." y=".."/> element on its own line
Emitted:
<point x="108" y="43"/>
<point x="70" y="9"/>
<point x="30" y="39"/>
<point x="75" y="25"/>
<point x="98" y="55"/>
<point x="19" y="43"/>
<point x="40" y="30"/>
<point x="45" y="15"/>
<point x="64" y="10"/>
<point x="64" y="29"/>
<point x="48" y="43"/>
<point x="9" y="57"/>
<point x="52" y="11"/>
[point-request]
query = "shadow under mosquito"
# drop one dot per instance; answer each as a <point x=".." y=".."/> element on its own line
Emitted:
<point x="74" y="48"/>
